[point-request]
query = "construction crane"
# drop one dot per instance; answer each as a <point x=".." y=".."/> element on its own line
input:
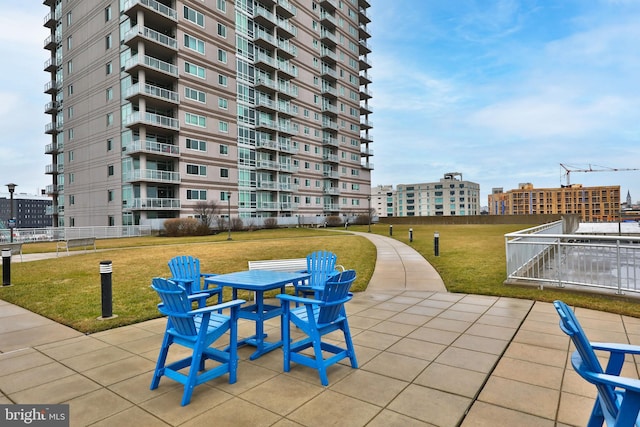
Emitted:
<point x="568" y="169"/>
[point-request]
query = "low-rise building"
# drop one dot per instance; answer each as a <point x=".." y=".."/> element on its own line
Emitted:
<point x="30" y="211"/>
<point x="593" y="204"/>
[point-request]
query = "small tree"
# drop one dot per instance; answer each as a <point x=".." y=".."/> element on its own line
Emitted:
<point x="206" y="211"/>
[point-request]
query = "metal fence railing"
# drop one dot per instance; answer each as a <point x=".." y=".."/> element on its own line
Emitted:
<point x="544" y="256"/>
<point x="64" y="233"/>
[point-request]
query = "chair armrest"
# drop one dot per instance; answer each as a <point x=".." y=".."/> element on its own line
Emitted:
<point x="616" y="348"/>
<point x="181" y="281"/>
<point x="300" y="300"/>
<point x="205" y="275"/>
<point x="228" y="304"/>
<point x="630" y="384"/>
<point x="200" y="295"/>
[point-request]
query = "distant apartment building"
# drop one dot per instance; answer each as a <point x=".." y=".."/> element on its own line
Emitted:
<point x="450" y="196"/>
<point x="159" y="105"/>
<point x="593" y="204"/>
<point x="382" y="200"/>
<point x="30" y="211"/>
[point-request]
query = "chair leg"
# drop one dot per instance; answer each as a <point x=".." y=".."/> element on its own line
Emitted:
<point x="347" y="339"/>
<point x="286" y="338"/>
<point x="162" y="359"/>
<point x="192" y="378"/>
<point x="233" y="348"/>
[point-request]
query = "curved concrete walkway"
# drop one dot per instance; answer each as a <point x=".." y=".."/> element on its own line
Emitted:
<point x="399" y="267"/>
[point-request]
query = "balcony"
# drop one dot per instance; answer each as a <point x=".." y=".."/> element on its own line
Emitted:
<point x="367" y="137"/>
<point x="263" y="17"/>
<point x="362" y="15"/>
<point x="152" y="175"/>
<point x="327" y="90"/>
<point x="151" y="119"/>
<point x="331" y="158"/>
<point x="288" y="90"/>
<point x="365" y="48"/>
<point x="286" y="127"/>
<point x="330" y="174"/>
<point x="53" y="128"/>
<point x="331" y="207"/>
<point x="328" y="20"/>
<point x="287" y="71"/>
<point x="327" y="72"/>
<point x="288" y="168"/>
<point x="51" y="18"/>
<point x="329" y="109"/>
<point x="54" y="148"/>
<point x="365" y="123"/>
<point x="366" y="151"/>
<point x="51" y="64"/>
<point x="153" y="204"/>
<point x="363" y="32"/>
<point x="328" y="37"/>
<point x="52" y="86"/>
<point x="150" y="64"/>
<point x="327" y="54"/>
<point x="266" y="61"/>
<point x="365" y="108"/>
<point x="365" y="93"/>
<point x="331" y="141"/>
<point x="328" y="4"/>
<point x="159" y="93"/>
<point x="365" y="78"/>
<point x="285" y="145"/>
<point x="265" y="104"/>
<point x="331" y="191"/>
<point x="54" y="189"/>
<point x="287" y="49"/>
<point x="267" y="185"/>
<point x="267" y="165"/>
<point x="262" y="38"/>
<point x="268" y="124"/>
<point x="364" y="63"/>
<point x="267" y="143"/>
<point x="330" y="125"/>
<point x="52" y="107"/>
<point x="52" y="41"/>
<point x="286" y="9"/>
<point x="264" y="83"/>
<point x="367" y="165"/>
<point x="287" y="187"/>
<point x="159" y="12"/>
<point x="286" y="30"/>
<point x="151" y="147"/>
<point x="137" y="34"/>
<point x="54" y="169"/>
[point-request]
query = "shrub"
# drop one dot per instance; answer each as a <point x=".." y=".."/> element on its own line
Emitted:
<point x="270" y="223"/>
<point x="334" y="221"/>
<point x="362" y="220"/>
<point x="176" y="227"/>
<point x="236" y="224"/>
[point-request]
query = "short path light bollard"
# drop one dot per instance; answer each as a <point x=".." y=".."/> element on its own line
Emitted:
<point x="105" y="283"/>
<point x="436" y="243"/>
<point x="391" y="230"/>
<point x="411" y="235"/>
<point x="6" y="267"/>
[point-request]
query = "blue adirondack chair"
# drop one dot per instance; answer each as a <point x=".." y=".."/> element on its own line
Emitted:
<point x="618" y="401"/>
<point x="185" y="271"/>
<point x="317" y="318"/>
<point x="197" y="330"/>
<point x="320" y="265"/>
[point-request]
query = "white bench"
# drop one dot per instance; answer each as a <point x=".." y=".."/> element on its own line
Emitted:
<point x="16" y="248"/>
<point x="76" y="243"/>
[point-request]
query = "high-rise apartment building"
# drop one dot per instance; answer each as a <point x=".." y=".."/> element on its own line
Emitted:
<point x="593" y="204"/>
<point x="160" y="105"/>
<point x="450" y="196"/>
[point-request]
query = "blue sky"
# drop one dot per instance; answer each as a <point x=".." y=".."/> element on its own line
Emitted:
<point x="504" y="91"/>
<point x="501" y="91"/>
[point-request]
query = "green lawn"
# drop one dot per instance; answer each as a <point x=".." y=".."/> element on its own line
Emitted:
<point x="67" y="289"/>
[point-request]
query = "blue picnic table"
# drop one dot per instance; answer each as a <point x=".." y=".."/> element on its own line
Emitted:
<point x="258" y="281"/>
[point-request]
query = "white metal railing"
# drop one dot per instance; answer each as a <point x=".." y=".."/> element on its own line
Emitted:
<point x="545" y="256"/>
<point x="25" y="235"/>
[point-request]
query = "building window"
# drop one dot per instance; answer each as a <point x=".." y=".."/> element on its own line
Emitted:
<point x="197" y="170"/>
<point x="195" y="120"/>
<point x="222" y="80"/>
<point x="223" y="127"/>
<point x="224" y="173"/>
<point x="224" y="149"/>
<point x="194" y="70"/>
<point x="69" y="19"/>
<point x="222" y="30"/>
<point x="108" y="68"/>
<point x="70" y="112"/>
<point x="109" y="144"/>
<point x="196" y="144"/>
<point x="109" y="94"/>
<point x="70" y="134"/>
<point x="69" y="67"/>
<point x="223" y="103"/>
<point x="196" y="194"/>
<point x="69" y="42"/>
<point x="222" y="56"/>
<point x="107" y="14"/>
<point x="108" y="41"/>
<point x="109" y="119"/>
<point x="112" y="221"/>
<point x="110" y="170"/>
<point x="193" y="16"/>
<point x="109" y="195"/>
<point x="222" y="5"/>
<point x="196" y="95"/>
<point x="193" y="43"/>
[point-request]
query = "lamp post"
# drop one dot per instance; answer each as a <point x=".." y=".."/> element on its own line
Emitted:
<point x="229" y="213"/>
<point x="12" y="188"/>
<point x="369" y="213"/>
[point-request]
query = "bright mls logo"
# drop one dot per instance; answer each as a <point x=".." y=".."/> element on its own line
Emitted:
<point x="34" y="415"/>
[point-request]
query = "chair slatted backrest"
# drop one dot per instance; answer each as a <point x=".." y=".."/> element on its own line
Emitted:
<point x="176" y="305"/>
<point x="320" y="265"/>
<point x="335" y="295"/>
<point x="186" y="267"/>
<point x="570" y="326"/>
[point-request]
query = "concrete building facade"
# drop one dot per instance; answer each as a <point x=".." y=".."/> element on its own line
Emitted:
<point x="30" y="211"/>
<point x="593" y="204"/>
<point x="159" y="106"/>
<point x="450" y="196"/>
